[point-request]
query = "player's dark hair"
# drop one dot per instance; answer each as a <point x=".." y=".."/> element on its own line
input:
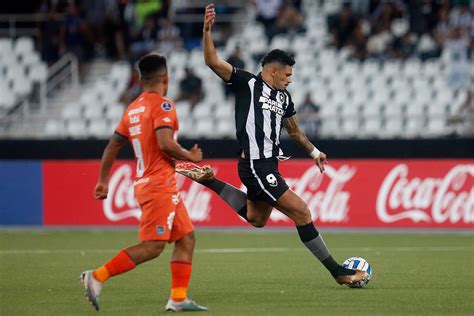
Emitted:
<point x="279" y="56"/>
<point x="152" y="66"/>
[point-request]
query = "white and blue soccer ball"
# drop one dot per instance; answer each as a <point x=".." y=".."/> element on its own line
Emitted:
<point x="358" y="263"/>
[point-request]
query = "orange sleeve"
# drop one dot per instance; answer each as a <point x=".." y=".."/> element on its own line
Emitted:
<point x="122" y="128"/>
<point x="165" y="115"/>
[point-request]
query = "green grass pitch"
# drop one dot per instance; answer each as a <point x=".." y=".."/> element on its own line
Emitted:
<point x="242" y="273"/>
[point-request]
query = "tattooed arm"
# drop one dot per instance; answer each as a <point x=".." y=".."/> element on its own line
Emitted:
<point x="298" y="136"/>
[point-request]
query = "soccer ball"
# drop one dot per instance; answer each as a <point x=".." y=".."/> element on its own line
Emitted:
<point x="358" y="263"/>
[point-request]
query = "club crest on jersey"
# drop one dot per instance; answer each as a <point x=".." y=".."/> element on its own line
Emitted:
<point x="166" y="106"/>
<point x="281" y="97"/>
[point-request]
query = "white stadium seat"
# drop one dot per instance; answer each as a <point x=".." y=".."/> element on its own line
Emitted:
<point x="24" y="45"/>
<point x="54" y="127"/>
<point x="77" y="128"/>
<point x="71" y="111"/>
<point x="94" y="111"/>
<point x="99" y="128"/>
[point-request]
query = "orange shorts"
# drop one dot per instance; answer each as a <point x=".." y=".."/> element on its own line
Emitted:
<point x="164" y="217"/>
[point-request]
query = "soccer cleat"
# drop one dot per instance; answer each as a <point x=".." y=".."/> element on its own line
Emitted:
<point x="92" y="288"/>
<point x="195" y="172"/>
<point x="185" y="306"/>
<point x="359" y="276"/>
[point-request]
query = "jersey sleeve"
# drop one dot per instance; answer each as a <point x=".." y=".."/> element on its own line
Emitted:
<point x="290" y="110"/>
<point x="239" y="78"/>
<point x="165" y="116"/>
<point x="122" y="128"/>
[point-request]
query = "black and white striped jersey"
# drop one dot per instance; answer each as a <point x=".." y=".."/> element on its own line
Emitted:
<point x="259" y="110"/>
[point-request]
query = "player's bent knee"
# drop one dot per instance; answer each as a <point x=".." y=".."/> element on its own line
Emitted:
<point x="257" y="222"/>
<point x="154" y="248"/>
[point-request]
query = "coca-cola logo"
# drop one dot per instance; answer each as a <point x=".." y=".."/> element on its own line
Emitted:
<point x="121" y="203"/>
<point x="447" y="199"/>
<point x="329" y="204"/>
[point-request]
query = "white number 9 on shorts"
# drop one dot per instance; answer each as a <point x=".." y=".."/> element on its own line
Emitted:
<point x="272" y="180"/>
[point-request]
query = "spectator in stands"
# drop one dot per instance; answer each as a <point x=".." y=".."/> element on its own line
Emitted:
<point x="50" y="37"/>
<point x="289" y="20"/>
<point x="379" y="43"/>
<point x="267" y="13"/>
<point x="358" y="43"/>
<point x="461" y="16"/>
<point x="455" y="53"/>
<point x="146" y="39"/>
<point x="169" y="39"/>
<point x="464" y="118"/>
<point x="423" y="16"/>
<point x="308" y="114"/>
<point x="73" y="34"/>
<point x="190" y="88"/>
<point x="342" y="25"/>
<point x="235" y="60"/>
<point x="385" y="13"/>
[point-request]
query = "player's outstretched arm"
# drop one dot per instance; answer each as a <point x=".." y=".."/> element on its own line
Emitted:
<point x="298" y="136"/>
<point x="170" y="146"/>
<point x="222" y="68"/>
<point x="116" y="142"/>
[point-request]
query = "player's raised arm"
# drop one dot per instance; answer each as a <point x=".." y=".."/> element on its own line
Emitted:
<point x="222" y="68"/>
<point x="172" y="148"/>
<point x="108" y="157"/>
<point x="298" y="136"/>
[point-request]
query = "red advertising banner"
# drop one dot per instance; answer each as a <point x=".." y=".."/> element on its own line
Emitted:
<point x="351" y="193"/>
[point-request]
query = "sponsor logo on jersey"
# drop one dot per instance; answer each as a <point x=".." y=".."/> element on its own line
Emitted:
<point x="167" y="120"/>
<point x="136" y="111"/>
<point x="166" y="106"/>
<point x="271" y="105"/>
<point x="135" y="130"/>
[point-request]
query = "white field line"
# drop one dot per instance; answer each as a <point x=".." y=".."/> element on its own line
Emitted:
<point x="239" y="250"/>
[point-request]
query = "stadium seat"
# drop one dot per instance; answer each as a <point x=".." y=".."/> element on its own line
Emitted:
<point x="372" y="126"/>
<point x="76" y="128"/>
<point x="94" y="111"/>
<point x="225" y="128"/>
<point x="393" y="126"/>
<point x="224" y="112"/>
<point x="38" y="72"/>
<point x="24" y="45"/>
<point x="202" y="111"/>
<point x="99" y="128"/>
<point x="6" y="46"/>
<point x="114" y="112"/>
<point x="186" y="127"/>
<point x="54" y="128"/>
<point x="71" y="111"/>
<point x="205" y="128"/>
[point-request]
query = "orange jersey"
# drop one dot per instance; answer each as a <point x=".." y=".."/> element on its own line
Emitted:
<point x="149" y="112"/>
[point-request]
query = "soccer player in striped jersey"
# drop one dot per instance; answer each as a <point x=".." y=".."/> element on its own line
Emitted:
<point x="262" y="107"/>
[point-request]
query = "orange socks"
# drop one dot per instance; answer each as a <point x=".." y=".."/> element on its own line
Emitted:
<point x="119" y="264"/>
<point x="180" y="275"/>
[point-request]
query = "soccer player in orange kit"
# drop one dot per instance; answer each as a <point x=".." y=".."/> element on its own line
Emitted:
<point x="150" y="123"/>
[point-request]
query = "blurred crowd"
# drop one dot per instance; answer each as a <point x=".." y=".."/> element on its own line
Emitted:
<point x="386" y="29"/>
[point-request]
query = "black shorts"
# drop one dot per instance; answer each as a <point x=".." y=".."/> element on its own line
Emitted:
<point x="262" y="179"/>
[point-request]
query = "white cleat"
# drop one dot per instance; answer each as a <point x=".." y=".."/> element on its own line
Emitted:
<point x="185" y="306"/>
<point x="92" y="288"/>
